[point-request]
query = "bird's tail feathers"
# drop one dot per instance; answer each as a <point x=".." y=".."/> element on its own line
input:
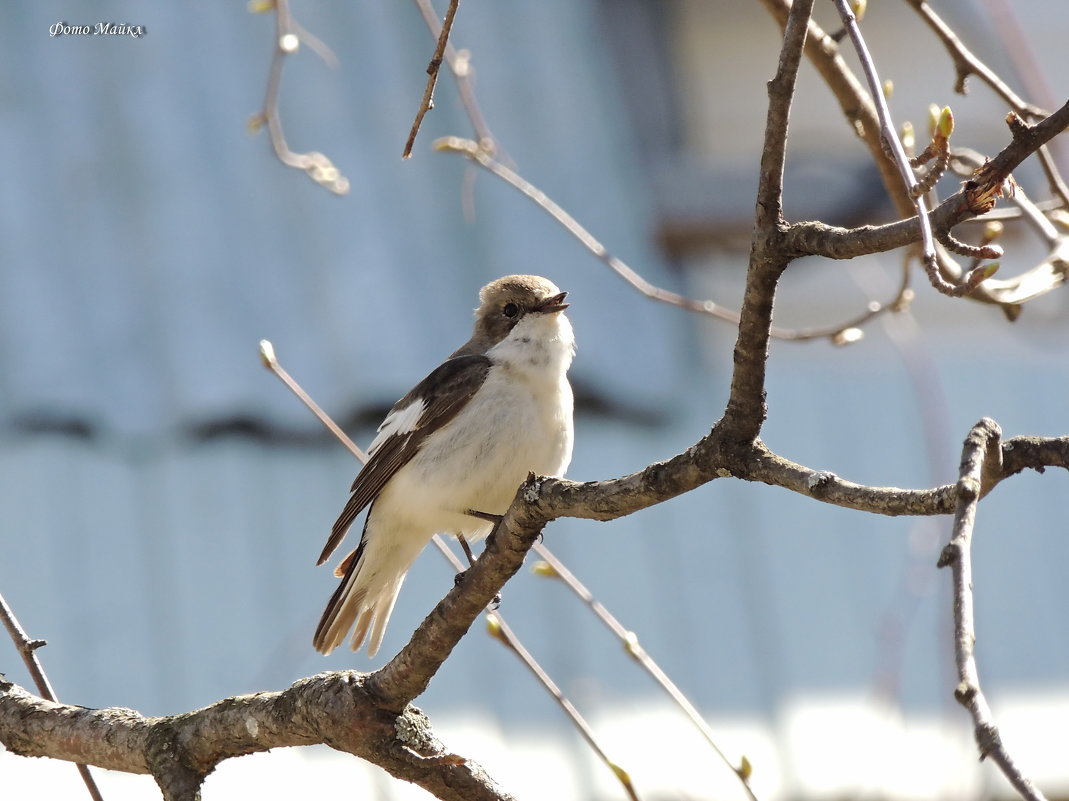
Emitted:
<point x="362" y="597"/>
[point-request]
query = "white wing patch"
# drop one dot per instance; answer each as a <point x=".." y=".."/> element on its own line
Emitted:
<point x="398" y="423"/>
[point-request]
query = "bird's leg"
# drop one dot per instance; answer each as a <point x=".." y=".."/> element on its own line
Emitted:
<point x="487" y="516"/>
<point x="490" y="518"/>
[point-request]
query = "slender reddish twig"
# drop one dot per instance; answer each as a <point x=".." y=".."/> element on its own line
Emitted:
<point x="557" y="569"/>
<point x="427" y="103"/>
<point x="27" y="649"/>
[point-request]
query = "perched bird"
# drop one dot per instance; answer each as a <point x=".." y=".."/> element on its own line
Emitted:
<point x="453" y="451"/>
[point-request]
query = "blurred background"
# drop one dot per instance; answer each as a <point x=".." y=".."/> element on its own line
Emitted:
<point x="164" y="497"/>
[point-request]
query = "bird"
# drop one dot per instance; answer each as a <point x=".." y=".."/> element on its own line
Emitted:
<point x="450" y="455"/>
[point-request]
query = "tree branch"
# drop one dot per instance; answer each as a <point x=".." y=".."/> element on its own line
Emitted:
<point x="857" y="106"/>
<point x="288" y="38"/>
<point x="859" y="110"/>
<point x="977" y="196"/>
<point x="427" y="103"/>
<point x="27" y="649"/>
<point x="966" y="63"/>
<point x="746" y="410"/>
<point x="180" y="750"/>
<point x="981" y="458"/>
<point x="407" y="675"/>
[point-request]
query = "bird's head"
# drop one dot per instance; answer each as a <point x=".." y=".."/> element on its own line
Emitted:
<point x="504" y="303"/>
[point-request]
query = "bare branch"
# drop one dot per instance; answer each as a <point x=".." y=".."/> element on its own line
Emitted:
<point x="976" y="197"/>
<point x="746" y="410"/>
<point x="483" y="153"/>
<point x="1027" y="138"/>
<point x="180" y="750"/>
<point x="288" y="38"/>
<point x="27" y="649"/>
<point x="890" y="138"/>
<point x="857" y="106"/>
<point x="427" y="103"/>
<point x="554" y="568"/>
<point x="711" y="458"/>
<point x="780" y="96"/>
<point x="966" y="63"/>
<point x="460" y="66"/>
<point x="980" y="460"/>
<point x="860" y="112"/>
<point x="484" y="158"/>
<point x="500" y="631"/>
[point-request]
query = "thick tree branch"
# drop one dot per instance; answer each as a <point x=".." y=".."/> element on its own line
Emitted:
<point x="710" y="459"/>
<point x="746" y="410"/>
<point x="357" y="713"/>
<point x="407" y="675"/>
<point x="180" y="750"/>
<point x="780" y="97"/>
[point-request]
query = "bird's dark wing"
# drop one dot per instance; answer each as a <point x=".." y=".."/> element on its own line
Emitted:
<point x="431" y="404"/>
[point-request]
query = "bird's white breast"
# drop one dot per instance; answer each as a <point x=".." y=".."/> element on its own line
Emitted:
<point x="519" y="421"/>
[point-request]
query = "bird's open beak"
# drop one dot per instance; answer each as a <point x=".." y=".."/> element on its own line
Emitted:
<point x="553" y="304"/>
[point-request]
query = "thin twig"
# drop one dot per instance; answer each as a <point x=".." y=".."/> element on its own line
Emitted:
<point x="1003" y="215"/>
<point x="472" y="150"/>
<point x="27" y="649"/>
<point x="288" y="38"/>
<point x="894" y="144"/>
<point x="460" y="67"/>
<point x="966" y="63"/>
<point x="270" y="361"/>
<point x="504" y="635"/>
<point x="499" y="630"/>
<point x="638" y="653"/>
<point x="485" y="153"/>
<point x="981" y="462"/>
<point x="485" y="159"/>
<point x="427" y="103"/>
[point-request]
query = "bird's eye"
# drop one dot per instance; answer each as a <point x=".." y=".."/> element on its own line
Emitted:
<point x="511" y="310"/>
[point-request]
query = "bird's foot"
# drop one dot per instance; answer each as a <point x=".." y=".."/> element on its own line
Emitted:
<point x="487" y="516"/>
<point x="459" y="577"/>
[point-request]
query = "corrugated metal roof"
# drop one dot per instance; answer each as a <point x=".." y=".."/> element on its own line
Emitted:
<point x="149" y="242"/>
